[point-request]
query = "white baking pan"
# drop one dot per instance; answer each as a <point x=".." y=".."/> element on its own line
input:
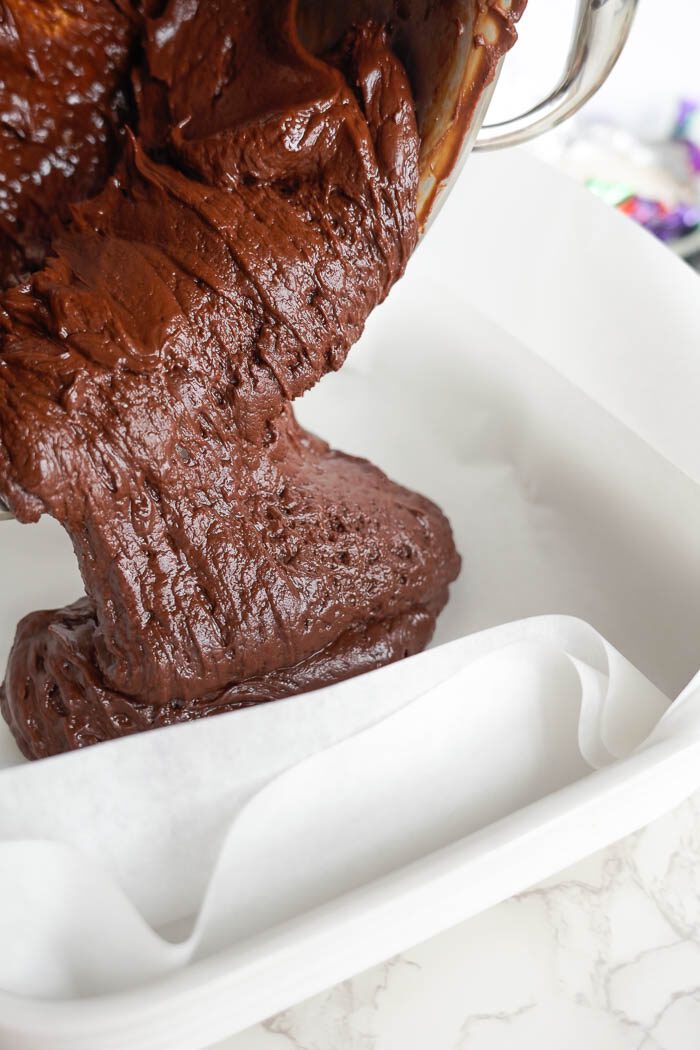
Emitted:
<point x="170" y="889"/>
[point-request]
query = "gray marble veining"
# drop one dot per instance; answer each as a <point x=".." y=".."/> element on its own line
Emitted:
<point x="604" y="956"/>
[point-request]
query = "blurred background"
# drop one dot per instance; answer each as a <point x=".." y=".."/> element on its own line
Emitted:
<point x="636" y="144"/>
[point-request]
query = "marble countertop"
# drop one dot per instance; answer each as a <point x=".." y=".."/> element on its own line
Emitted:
<point x="603" y="956"/>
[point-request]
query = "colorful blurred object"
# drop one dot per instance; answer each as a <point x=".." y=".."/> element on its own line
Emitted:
<point x="668" y="224"/>
<point x="656" y="182"/>
<point x="687" y="131"/>
<point x="672" y="214"/>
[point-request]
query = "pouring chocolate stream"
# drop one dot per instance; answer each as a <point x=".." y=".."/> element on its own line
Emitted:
<point x="266" y="202"/>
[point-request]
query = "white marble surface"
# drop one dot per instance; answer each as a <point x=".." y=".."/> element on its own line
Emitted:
<point x="604" y="956"/>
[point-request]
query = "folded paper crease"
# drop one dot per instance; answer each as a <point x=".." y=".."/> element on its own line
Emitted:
<point x="525" y="709"/>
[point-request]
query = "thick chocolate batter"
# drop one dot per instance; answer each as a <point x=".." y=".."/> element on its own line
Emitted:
<point x="64" y="92"/>
<point x="146" y="374"/>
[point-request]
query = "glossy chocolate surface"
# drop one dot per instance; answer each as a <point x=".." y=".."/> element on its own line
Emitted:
<point x="263" y="206"/>
<point x="64" y="96"/>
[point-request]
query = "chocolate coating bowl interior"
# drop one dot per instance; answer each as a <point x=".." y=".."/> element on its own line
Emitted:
<point x="451" y="51"/>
